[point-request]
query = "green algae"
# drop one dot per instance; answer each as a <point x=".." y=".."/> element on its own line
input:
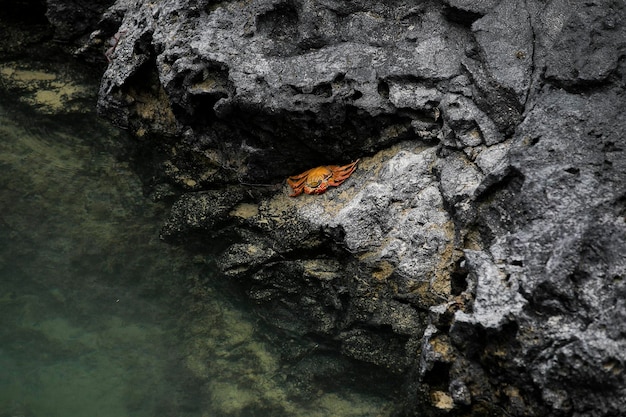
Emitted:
<point x="49" y="92"/>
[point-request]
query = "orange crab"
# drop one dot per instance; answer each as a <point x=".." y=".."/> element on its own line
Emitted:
<point x="317" y="180"/>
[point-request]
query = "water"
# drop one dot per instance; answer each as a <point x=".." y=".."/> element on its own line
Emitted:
<point x="99" y="318"/>
<point x="86" y="327"/>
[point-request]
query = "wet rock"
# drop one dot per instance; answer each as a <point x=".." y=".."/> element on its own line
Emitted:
<point x="200" y="211"/>
<point x="74" y="18"/>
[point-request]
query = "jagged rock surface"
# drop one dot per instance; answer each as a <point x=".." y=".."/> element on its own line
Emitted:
<point x="479" y="249"/>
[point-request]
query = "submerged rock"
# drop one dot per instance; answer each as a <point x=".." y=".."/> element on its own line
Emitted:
<point x="479" y="248"/>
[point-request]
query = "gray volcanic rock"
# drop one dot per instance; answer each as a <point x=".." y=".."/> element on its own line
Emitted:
<point x="505" y="38"/>
<point x="565" y="252"/>
<point x="290" y="250"/>
<point x="74" y="18"/>
<point x="586" y="42"/>
<point x="479" y="249"/>
<point x="268" y="82"/>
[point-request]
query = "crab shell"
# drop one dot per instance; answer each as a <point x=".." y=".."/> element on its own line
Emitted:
<point x="317" y="180"/>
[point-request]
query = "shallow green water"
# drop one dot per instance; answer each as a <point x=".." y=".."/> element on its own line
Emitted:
<point x="99" y="318"/>
<point x="86" y="326"/>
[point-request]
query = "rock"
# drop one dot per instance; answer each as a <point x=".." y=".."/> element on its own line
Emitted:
<point x="568" y="284"/>
<point x="303" y="235"/>
<point x="74" y="18"/>
<point x="480" y="7"/>
<point x="478" y="249"/>
<point x="200" y="211"/>
<point x="496" y="298"/>
<point x="505" y="37"/>
<point x="594" y="57"/>
<point x="234" y="60"/>
<point x="465" y="125"/>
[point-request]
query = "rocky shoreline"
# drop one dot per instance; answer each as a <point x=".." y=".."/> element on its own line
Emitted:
<point x="478" y="252"/>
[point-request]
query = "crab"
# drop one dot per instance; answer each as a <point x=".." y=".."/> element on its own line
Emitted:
<point x="113" y="42"/>
<point x="317" y="180"/>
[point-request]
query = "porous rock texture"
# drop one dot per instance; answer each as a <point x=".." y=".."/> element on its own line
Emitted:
<point x="479" y="250"/>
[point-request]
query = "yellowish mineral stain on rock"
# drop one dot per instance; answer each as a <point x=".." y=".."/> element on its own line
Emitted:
<point x="322" y="269"/>
<point x="442" y="348"/>
<point x="442" y="400"/>
<point x="245" y="211"/>
<point x="153" y="107"/>
<point x="383" y="270"/>
<point x="441" y="284"/>
<point x="189" y="182"/>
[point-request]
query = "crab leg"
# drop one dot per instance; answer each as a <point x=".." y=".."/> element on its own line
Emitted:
<point x="296" y="192"/>
<point x="297" y="181"/>
<point x="341" y="173"/>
